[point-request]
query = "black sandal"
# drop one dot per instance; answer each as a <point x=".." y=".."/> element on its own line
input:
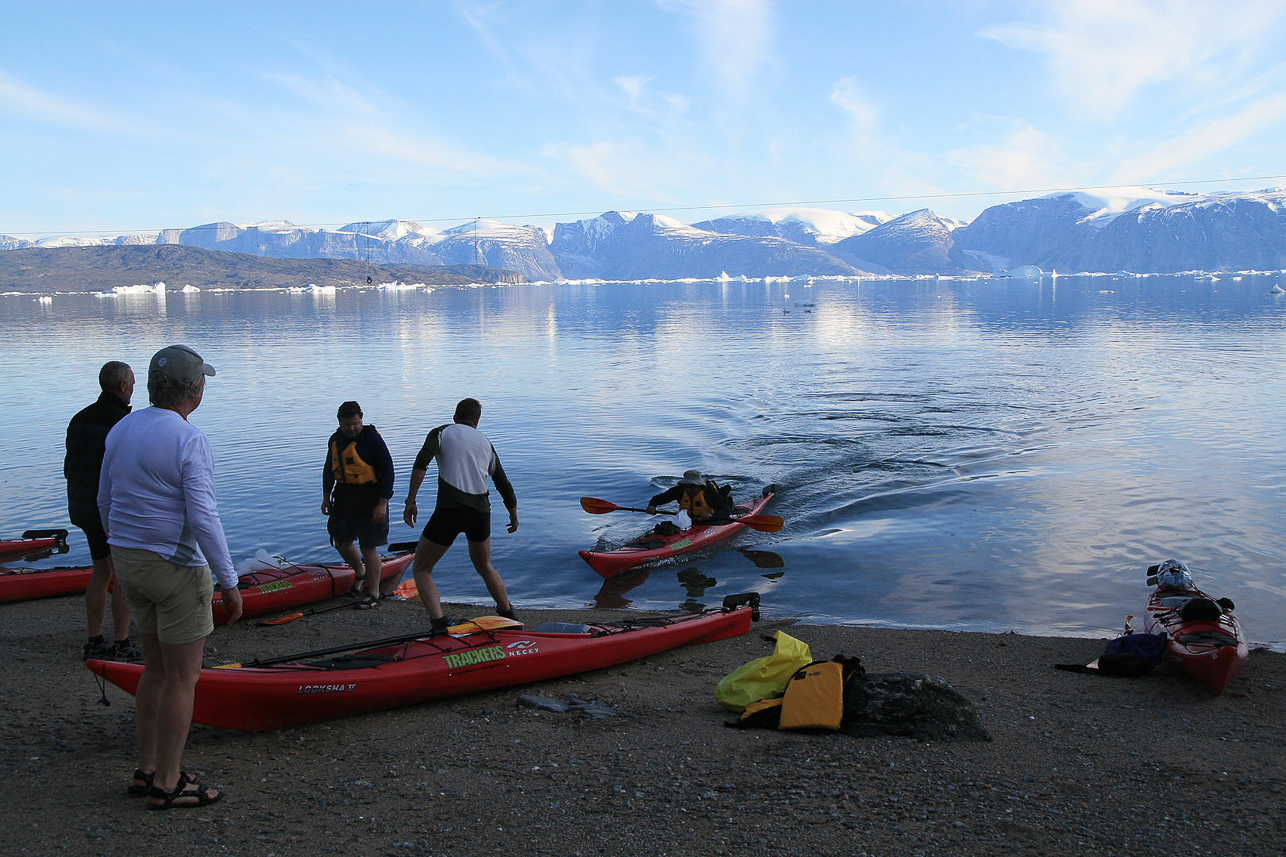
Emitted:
<point x="183" y="791"/>
<point x="367" y="603"/>
<point x="146" y="788"/>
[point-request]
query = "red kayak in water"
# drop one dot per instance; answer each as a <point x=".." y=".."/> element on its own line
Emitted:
<point x="33" y="541"/>
<point x="652" y="547"/>
<point x="282" y="587"/>
<point x="479" y="655"/>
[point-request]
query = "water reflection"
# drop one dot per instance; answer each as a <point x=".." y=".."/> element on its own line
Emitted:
<point x="762" y="558"/>
<point x="694" y="582"/>
<point x="612" y="592"/>
<point x="1034" y="444"/>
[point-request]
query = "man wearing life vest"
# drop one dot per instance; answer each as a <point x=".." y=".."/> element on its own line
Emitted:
<point x="699" y="497"/>
<point x="357" y="482"/>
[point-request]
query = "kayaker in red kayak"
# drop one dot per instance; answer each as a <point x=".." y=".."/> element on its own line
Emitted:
<point x="86" y="437"/>
<point x="465" y="459"/>
<point x="357" y="483"/>
<point x="699" y="497"/>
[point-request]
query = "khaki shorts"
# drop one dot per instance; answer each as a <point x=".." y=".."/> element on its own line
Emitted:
<point x="167" y="600"/>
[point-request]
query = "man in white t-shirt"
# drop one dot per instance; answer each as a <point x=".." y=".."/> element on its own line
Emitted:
<point x="465" y="459"/>
<point x="156" y="499"/>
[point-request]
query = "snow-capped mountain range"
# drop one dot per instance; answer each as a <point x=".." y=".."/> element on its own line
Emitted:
<point x="1135" y="229"/>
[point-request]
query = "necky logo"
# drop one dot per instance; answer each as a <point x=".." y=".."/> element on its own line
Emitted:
<point x="521" y="645"/>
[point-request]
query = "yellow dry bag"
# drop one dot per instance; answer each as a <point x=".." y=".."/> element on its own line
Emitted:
<point x="763" y="677"/>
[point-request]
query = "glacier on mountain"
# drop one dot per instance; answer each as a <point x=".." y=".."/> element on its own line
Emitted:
<point x="1120" y="229"/>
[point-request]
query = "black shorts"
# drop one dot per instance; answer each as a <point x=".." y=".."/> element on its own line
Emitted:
<point x="357" y="527"/>
<point x="445" y="524"/>
<point x="85" y="516"/>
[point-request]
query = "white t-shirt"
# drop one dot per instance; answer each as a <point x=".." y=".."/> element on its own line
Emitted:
<point x="156" y="492"/>
<point x="466" y="458"/>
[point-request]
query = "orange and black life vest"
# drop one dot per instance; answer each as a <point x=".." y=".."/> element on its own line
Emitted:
<point x="694" y="502"/>
<point x="348" y="466"/>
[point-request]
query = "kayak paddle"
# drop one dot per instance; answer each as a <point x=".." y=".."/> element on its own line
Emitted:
<point x="762" y="523"/>
<point x="482" y="623"/>
<point x="601" y="507"/>
<point x="290" y="617"/>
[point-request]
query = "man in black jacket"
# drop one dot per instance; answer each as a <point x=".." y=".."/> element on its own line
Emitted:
<point x="697" y="496"/>
<point x="86" y="439"/>
<point x="357" y="482"/>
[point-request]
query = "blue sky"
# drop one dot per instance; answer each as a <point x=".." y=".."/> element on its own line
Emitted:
<point x="124" y="116"/>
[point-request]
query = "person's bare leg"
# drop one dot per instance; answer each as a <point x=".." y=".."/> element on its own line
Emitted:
<point x="427" y="554"/>
<point x="173" y="710"/>
<point x="96" y="598"/>
<point x="374" y="567"/>
<point x="147" y="701"/>
<point x="480" y="553"/>
<point x="166" y="691"/>
<point x="349" y="553"/>
<point x="120" y="614"/>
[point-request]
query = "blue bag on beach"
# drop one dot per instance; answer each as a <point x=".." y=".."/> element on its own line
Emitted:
<point x="1132" y="655"/>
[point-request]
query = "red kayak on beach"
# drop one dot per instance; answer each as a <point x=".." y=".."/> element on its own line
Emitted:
<point x="264" y="591"/>
<point x="270" y="590"/>
<point x="472" y="657"/>
<point x="33" y="541"/>
<point x="1202" y="635"/>
<point x="652" y="546"/>
<point x="21" y="584"/>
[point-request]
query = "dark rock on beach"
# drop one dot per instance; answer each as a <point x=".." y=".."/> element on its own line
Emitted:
<point x="910" y="705"/>
<point x="1078" y="765"/>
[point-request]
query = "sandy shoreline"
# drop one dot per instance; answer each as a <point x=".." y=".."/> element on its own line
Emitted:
<point x="1078" y="764"/>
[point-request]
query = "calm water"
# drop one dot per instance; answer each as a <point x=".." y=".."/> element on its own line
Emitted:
<point x="955" y="454"/>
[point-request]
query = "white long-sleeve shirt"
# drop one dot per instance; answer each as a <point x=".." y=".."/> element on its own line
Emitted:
<point x="156" y="492"/>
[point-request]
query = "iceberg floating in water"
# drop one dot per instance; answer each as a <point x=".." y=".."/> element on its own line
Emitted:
<point x="1026" y="272"/>
<point x="157" y="288"/>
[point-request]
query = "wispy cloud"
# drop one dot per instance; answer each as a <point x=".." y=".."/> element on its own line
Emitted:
<point x="1103" y="54"/>
<point x="640" y="175"/>
<point x="1204" y="140"/>
<point x="851" y="97"/>
<point x="632" y="86"/>
<point x="1024" y="158"/>
<point x="737" y="38"/>
<point x="326" y="92"/>
<point x="19" y="98"/>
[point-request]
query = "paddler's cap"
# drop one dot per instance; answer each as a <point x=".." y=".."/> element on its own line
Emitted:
<point x="691" y="477"/>
<point x="180" y="364"/>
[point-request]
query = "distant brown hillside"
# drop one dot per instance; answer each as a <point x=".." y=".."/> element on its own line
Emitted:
<point x="91" y="269"/>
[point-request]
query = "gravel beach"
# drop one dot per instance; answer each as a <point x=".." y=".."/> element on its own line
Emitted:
<point x="1079" y="764"/>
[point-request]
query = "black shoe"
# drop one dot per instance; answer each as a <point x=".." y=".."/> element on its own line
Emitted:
<point x="507" y="614"/>
<point x="98" y="649"/>
<point x="439" y="626"/>
<point x="125" y="650"/>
